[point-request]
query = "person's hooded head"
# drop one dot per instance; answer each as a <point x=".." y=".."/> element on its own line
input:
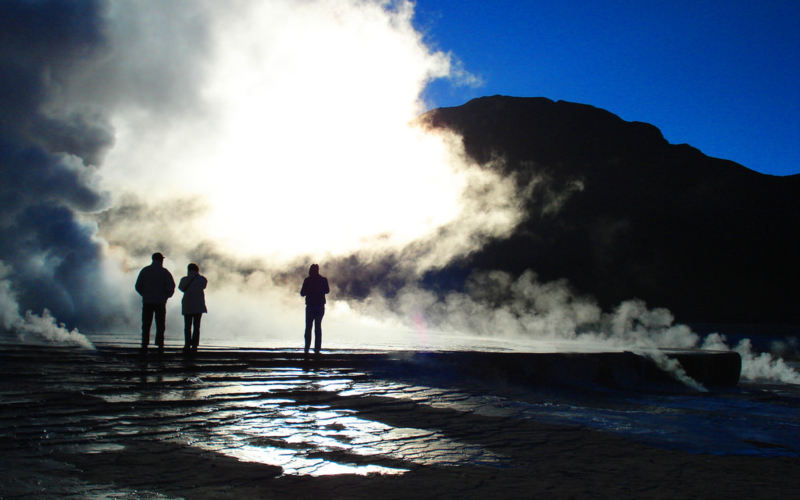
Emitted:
<point x="313" y="270"/>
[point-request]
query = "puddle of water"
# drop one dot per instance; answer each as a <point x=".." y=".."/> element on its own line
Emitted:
<point x="96" y="448"/>
<point x="286" y="436"/>
<point x="295" y="464"/>
<point x="124" y="495"/>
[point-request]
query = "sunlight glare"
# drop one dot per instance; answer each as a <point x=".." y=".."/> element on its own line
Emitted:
<point x="314" y="139"/>
<point x="305" y="147"/>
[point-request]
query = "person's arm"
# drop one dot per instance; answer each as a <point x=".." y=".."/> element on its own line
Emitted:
<point x="326" y="288"/>
<point x="304" y="289"/>
<point x="182" y="284"/>
<point x="138" y="285"/>
<point x="170" y="284"/>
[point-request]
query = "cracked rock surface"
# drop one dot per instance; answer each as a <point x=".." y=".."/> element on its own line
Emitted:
<point x="226" y="424"/>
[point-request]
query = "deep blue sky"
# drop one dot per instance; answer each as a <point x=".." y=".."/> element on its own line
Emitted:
<point x="723" y="76"/>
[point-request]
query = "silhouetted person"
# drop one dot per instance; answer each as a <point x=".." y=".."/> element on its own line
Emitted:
<point x="193" y="305"/>
<point x="156" y="286"/>
<point x="314" y="289"/>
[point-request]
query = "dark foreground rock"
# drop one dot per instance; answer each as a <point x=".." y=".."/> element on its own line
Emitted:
<point x="621" y="213"/>
<point x="242" y="424"/>
<point x="620" y="370"/>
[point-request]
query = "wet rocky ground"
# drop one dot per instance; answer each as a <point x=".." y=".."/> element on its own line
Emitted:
<point x="242" y="424"/>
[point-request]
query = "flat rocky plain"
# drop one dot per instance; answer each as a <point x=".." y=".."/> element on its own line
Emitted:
<point x="232" y="424"/>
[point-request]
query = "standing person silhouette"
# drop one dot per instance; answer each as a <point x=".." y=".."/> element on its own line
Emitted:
<point x="156" y="286"/>
<point x="193" y="305"/>
<point x="314" y="289"/>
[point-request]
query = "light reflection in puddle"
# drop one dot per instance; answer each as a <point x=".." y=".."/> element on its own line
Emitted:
<point x="336" y="385"/>
<point x="117" y="494"/>
<point x="289" y="436"/>
<point x="96" y="448"/>
<point x="246" y="415"/>
<point x="294" y="465"/>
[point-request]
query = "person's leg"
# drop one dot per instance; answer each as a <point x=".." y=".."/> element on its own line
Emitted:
<point x="187" y="331"/>
<point x="147" y="321"/>
<point x="319" y="313"/>
<point x="196" y="335"/>
<point x="161" y="324"/>
<point x="309" y="321"/>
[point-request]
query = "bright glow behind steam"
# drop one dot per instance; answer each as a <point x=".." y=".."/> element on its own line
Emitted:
<point x="300" y="141"/>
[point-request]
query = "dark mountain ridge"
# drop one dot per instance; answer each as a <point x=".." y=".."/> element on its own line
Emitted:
<point x="621" y="213"/>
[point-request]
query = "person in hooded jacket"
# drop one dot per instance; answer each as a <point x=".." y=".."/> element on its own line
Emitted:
<point x="156" y="285"/>
<point x="193" y="305"/>
<point x="314" y="289"/>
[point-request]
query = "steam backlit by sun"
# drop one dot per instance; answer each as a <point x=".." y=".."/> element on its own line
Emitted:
<point x="252" y="137"/>
<point x="299" y="142"/>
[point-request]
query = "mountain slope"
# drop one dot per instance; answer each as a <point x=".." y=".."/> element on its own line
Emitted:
<point x="621" y="213"/>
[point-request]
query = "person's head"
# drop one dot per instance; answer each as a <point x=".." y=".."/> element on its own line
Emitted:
<point x="157" y="257"/>
<point x="313" y="270"/>
<point x="193" y="267"/>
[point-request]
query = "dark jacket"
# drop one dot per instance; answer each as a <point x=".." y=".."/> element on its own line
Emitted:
<point x="194" y="298"/>
<point x="155" y="284"/>
<point x="314" y="289"/>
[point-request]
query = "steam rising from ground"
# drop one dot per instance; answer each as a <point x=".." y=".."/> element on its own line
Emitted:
<point x="43" y="327"/>
<point x="255" y="138"/>
<point x="525" y="309"/>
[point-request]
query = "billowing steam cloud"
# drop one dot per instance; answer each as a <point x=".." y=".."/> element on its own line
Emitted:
<point x="253" y="138"/>
<point x="246" y="136"/>
<point x="48" y="159"/>
<point x="495" y="304"/>
<point x="40" y="327"/>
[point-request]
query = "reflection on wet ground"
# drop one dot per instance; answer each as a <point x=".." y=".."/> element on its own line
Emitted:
<point x="326" y="418"/>
<point x="57" y="399"/>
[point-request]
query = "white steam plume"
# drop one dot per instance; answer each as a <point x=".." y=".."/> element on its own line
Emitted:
<point x="755" y="366"/>
<point x="253" y="138"/>
<point x="497" y="305"/>
<point x="44" y="326"/>
<point x="288" y="124"/>
<point x="247" y="135"/>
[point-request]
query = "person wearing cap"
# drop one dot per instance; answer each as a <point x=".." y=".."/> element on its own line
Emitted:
<point x="156" y="285"/>
<point x="314" y="289"/>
